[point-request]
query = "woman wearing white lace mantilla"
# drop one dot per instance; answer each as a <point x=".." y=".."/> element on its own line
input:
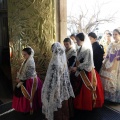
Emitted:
<point x="27" y="94"/>
<point x="110" y="72"/>
<point x="88" y="90"/>
<point x="57" y="88"/>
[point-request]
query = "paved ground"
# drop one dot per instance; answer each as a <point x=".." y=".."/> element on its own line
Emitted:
<point x="115" y="106"/>
<point x="20" y="116"/>
<point x="97" y="114"/>
<point x="111" y="111"/>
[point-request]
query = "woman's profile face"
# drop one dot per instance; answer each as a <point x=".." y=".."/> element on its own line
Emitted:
<point x="25" y="55"/>
<point x="108" y="37"/>
<point x="116" y="36"/>
<point x="67" y="45"/>
<point x="78" y="41"/>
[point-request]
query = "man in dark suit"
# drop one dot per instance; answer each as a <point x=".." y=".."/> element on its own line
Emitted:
<point x="98" y="51"/>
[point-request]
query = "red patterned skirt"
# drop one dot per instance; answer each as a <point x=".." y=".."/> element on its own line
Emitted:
<point x="83" y="99"/>
<point x="21" y="103"/>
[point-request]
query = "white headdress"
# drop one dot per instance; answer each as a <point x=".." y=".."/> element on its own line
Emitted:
<point x="88" y="63"/>
<point x="87" y="45"/>
<point x="24" y="68"/>
<point x="32" y="51"/>
<point x="57" y="86"/>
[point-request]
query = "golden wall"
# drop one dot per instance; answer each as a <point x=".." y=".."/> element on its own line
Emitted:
<point x="31" y="22"/>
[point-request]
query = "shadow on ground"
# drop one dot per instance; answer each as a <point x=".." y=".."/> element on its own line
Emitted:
<point x="21" y="116"/>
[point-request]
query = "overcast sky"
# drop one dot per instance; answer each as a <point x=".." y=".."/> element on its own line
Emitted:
<point x="110" y="7"/>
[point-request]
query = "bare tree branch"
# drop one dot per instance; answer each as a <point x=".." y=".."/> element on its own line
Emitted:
<point x="86" y="22"/>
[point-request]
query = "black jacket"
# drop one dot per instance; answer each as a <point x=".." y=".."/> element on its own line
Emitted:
<point x="98" y="53"/>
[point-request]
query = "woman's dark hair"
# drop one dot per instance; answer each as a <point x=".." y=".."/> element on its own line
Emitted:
<point x="117" y="30"/>
<point x="106" y="31"/>
<point x="72" y="35"/>
<point x="27" y="50"/>
<point x="81" y="36"/>
<point x="67" y="40"/>
<point x="93" y="35"/>
<point x="109" y="34"/>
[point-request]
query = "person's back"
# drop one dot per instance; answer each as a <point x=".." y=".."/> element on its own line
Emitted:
<point x="98" y="52"/>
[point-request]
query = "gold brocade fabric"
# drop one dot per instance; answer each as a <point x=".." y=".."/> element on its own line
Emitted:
<point x="31" y="22"/>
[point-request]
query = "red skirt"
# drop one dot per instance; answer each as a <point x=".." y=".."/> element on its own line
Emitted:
<point x="83" y="100"/>
<point x="22" y="104"/>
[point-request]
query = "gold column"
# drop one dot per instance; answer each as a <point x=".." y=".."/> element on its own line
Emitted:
<point x="31" y="22"/>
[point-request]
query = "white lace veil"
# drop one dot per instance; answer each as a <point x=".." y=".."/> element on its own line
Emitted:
<point x="57" y="86"/>
<point x="26" y="64"/>
<point x="31" y="56"/>
<point x="32" y="51"/>
<point x="87" y="44"/>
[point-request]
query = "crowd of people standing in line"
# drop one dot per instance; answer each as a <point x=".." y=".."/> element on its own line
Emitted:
<point x="80" y="75"/>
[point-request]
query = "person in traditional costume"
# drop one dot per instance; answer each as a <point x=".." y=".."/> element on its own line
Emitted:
<point x="70" y="53"/>
<point x="57" y="88"/>
<point x="106" y="40"/>
<point x="27" y="93"/>
<point x="89" y="91"/>
<point x="73" y="42"/>
<point x="110" y="72"/>
<point x="98" y="51"/>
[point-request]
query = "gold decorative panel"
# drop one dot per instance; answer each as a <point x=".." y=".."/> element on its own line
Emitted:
<point x="31" y="22"/>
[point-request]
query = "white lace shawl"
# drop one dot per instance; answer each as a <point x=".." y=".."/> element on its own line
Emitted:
<point x="86" y="54"/>
<point x="57" y="86"/>
<point x="27" y="69"/>
<point x="70" y="53"/>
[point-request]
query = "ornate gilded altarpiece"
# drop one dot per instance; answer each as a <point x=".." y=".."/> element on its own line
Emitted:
<point x="31" y="22"/>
